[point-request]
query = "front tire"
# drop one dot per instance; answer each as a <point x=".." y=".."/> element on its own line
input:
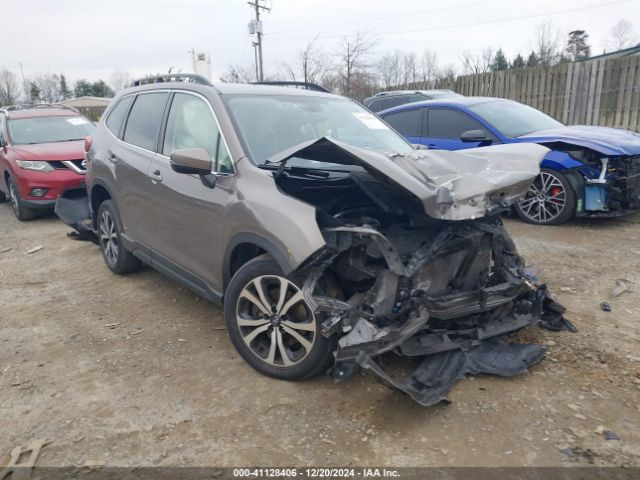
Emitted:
<point x="116" y="256"/>
<point x="270" y="324"/>
<point x="549" y="201"/>
<point x="22" y="212"/>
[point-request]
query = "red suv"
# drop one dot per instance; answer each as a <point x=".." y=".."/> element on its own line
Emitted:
<point x="41" y="155"/>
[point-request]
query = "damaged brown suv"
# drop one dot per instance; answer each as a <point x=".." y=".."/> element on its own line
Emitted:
<point x="329" y="239"/>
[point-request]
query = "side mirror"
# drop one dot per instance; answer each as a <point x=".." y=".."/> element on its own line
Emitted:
<point x="473" y="136"/>
<point x="191" y="161"/>
<point x="419" y="146"/>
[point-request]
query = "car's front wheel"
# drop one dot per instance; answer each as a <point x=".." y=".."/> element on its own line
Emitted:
<point x="549" y="201"/>
<point x="22" y="212"/>
<point x="116" y="256"/>
<point x="271" y="325"/>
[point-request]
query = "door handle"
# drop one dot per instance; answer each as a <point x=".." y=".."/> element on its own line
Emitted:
<point x="113" y="158"/>
<point x="156" y="177"/>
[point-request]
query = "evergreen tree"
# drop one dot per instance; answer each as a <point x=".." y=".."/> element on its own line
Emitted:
<point x="101" y="89"/>
<point x="500" y="61"/>
<point x="518" y="62"/>
<point x="577" y="45"/>
<point x="65" y="93"/>
<point x="82" y="88"/>
<point x="533" y="60"/>
<point x="34" y="92"/>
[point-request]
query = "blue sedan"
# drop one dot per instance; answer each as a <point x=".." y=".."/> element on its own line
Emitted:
<point x="588" y="172"/>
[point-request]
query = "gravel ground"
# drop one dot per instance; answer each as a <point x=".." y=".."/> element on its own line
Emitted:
<point x="136" y="370"/>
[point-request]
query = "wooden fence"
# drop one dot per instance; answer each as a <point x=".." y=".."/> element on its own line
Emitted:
<point x="602" y="92"/>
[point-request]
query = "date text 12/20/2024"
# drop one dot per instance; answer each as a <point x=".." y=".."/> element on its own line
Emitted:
<point x="304" y="473"/>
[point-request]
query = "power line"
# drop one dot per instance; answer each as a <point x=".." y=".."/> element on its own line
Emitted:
<point x="413" y="14"/>
<point x="451" y="27"/>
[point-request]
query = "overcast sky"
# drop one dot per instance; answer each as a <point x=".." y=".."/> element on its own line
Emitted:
<point x="93" y="38"/>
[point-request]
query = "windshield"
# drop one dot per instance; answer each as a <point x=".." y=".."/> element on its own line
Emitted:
<point x="270" y="124"/>
<point x="25" y="131"/>
<point x="514" y="119"/>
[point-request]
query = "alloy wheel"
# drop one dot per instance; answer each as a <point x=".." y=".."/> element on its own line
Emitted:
<point x="274" y="321"/>
<point x="108" y="237"/>
<point x="545" y="200"/>
<point x="13" y="198"/>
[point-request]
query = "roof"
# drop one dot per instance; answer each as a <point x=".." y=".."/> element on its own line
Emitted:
<point x="413" y="92"/>
<point x="231" y="89"/>
<point x="444" y="102"/>
<point x="41" y="112"/>
<point x="625" y="52"/>
<point x="80" y="102"/>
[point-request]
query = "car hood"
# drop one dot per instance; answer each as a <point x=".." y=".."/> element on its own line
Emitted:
<point x="608" y="141"/>
<point x="450" y="185"/>
<point x="56" y="151"/>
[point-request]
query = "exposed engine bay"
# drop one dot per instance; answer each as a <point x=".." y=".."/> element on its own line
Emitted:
<point x="605" y="184"/>
<point x="393" y="278"/>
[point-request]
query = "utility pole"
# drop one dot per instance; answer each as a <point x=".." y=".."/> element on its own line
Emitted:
<point x="257" y="27"/>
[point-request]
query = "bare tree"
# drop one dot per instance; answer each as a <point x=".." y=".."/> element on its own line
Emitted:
<point x="428" y="66"/>
<point x="120" y="80"/>
<point x="547" y="43"/>
<point x="239" y="74"/>
<point x="621" y="36"/>
<point x="351" y="57"/>
<point x="473" y="64"/>
<point x="312" y="64"/>
<point x="410" y="69"/>
<point x="48" y="86"/>
<point x="9" y="88"/>
<point x="389" y="68"/>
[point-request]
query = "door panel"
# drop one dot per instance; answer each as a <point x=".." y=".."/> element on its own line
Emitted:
<point x="131" y="159"/>
<point x="188" y="216"/>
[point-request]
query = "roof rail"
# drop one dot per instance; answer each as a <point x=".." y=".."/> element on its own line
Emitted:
<point x="303" y="85"/>
<point x="171" y="77"/>
<point x="29" y="106"/>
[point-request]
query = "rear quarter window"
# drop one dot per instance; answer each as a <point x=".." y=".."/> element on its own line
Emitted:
<point x="407" y="122"/>
<point x="118" y="114"/>
<point x="143" y="124"/>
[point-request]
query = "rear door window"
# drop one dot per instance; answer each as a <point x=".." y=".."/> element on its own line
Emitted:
<point x="143" y="125"/>
<point x="118" y="114"/>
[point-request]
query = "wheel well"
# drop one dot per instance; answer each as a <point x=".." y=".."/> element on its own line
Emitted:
<point x="240" y="255"/>
<point x="98" y="195"/>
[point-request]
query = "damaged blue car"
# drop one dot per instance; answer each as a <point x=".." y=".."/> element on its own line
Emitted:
<point x="588" y="172"/>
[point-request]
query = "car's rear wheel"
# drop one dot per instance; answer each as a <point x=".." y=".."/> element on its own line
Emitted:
<point x="549" y="201"/>
<point x="271" y="325"/>
<point x="3" y="197"/>
<point x="22" y="212"/>
<point x="116" y="256"/>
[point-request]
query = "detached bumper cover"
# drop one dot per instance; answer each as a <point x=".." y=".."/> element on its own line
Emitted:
<point x="432" y="380"/>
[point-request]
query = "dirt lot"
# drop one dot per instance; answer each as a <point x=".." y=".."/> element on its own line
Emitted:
<point x="137" y="370"/>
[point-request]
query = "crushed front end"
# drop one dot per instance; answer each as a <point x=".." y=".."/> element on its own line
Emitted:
<point x="444" y="293"/>
<point x="442" y="287"/>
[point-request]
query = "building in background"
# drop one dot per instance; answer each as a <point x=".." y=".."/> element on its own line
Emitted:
<point x="90" y="107"/>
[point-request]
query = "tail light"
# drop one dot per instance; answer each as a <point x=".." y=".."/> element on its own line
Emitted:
<point x="88" y="141"/>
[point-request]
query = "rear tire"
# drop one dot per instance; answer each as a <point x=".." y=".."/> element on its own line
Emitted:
<point x="276" y="334"/>
<point x="22" y="212"/>
<point x="549" y="201"/>
<point x="3" y="197"/>
<point x="116" y="256"/>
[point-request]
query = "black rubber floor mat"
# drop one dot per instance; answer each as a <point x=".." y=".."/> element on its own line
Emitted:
<point x="431" y="381"/>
